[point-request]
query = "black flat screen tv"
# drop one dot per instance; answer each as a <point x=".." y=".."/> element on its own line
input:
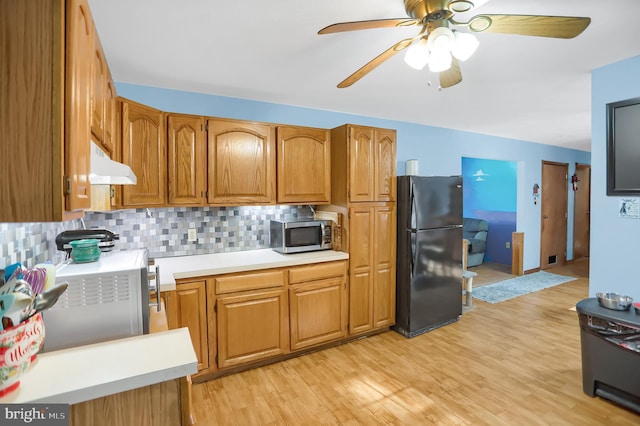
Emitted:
<point x="623" y="147"/>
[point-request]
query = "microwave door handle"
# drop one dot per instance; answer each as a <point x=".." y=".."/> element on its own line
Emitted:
<point x="322" y="243"/>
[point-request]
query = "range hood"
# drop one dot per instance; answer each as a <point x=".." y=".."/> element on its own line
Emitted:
<point x="105" y="171"/>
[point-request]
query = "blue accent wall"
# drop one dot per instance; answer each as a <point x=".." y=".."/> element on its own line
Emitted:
<point x="438" y="150"/>
<point x="490" y="193"/>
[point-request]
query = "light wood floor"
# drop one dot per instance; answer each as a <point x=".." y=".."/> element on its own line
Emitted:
<point x="512" y="363"/>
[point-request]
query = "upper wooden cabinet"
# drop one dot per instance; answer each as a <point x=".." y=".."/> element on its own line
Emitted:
<point x="241" y="163"/>
<point x="109" y="140"/>
<point x="103" y="103"/>
<point x="79" y="55"/>
<point x="363" y="164"/>
<point x="98" y="92"/>
<point x="144" y="150"/>
<point x="187" y="159"/>
<point x="304" y="165"/>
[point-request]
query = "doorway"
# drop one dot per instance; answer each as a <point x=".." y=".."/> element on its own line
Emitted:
<point x="554" y="199"/>
<point x="581" y="211"/>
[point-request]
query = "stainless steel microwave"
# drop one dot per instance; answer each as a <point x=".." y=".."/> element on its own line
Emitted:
<point x="300" y="235"/>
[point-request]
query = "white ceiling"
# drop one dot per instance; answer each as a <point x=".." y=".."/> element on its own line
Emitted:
<point x="528" y="88"/>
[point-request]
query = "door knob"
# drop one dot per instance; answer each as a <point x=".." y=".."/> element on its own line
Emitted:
<point x="545" y="216"/>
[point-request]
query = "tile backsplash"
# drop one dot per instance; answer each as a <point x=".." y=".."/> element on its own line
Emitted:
<point x="163" y="231"/>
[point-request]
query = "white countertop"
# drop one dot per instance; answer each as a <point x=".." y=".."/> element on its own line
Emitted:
<point x="172" y="268"/>
<point x="87" y="372"/>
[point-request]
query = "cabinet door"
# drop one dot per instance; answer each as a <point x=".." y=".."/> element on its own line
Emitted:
<point x="361" y="274"/>
<point x="384" y="261"/>
<point x="361" y="164"/>
<point x="241" y="163"/>
<point x="252" y="326"/>
<point x="187" y="307"/>
<point x="317" y="312"/>
<point x="98" y="92"/>
<point x="385" y="165"/>
<point x="187" y="162"/>
<point x="144" y="150"/>
<point x="110" y="126"/>
<point x="80" y="52"/>
<point x="304" y="171"/>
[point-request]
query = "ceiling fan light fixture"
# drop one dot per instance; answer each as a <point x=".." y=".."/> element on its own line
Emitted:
<point x="441" y="39"/>
<point x="417" y="55"/>
<point x="465" y="45"/>
<point x="440" y="61"/>
<point x="460" y="6"/>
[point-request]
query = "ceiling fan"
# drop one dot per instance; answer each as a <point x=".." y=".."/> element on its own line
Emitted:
<point x="442" y="47"/>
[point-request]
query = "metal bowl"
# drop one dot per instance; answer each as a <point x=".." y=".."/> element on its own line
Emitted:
<point x="618" y="302"/>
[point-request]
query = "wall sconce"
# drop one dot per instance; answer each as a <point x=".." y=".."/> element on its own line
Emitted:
<point x="536" y="189"/>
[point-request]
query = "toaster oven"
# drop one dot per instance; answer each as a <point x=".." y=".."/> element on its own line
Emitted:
<point x="105" y="300"/>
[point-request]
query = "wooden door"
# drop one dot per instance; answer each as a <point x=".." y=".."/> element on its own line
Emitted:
<point x="553" y="238"/>
<point x="187" y="161"/>
<point x="385" y="165"/>
<point x="361" y="273"/>
<point x="582" y="212"/>
<point x="187" y="307"/>
<point x="361" y="164"/>
<point x="241" y="163"/>
<point x="110" y="116"/>
<point x="316" y="312"/>
<point x="98" y="94"/>
<point x="304" y="169"/>
<point x="252" y="326"/>
<point x="384" y="261"/>
<point x="144" y="150"/>
<point x="80" y="53"/>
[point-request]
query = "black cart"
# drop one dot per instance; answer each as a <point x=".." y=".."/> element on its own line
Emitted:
<point x="610" y="343"/>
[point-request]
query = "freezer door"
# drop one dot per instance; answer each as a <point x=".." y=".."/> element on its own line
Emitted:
<point x="436" y="277"/>
<point x="436" y="202"/>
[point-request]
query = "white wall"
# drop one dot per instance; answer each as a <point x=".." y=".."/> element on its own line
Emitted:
<point x="438" y="150"/>
<point x="614" y="241"/>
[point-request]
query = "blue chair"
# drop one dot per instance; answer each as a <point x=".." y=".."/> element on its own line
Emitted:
<point x="475" y="232"/>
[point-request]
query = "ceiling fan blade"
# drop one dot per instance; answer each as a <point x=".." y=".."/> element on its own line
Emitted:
<point x="367" y="25"/>
<point x="452" y="76"/>
<point x="530" y="25"/>
<point x="372" y="64"/>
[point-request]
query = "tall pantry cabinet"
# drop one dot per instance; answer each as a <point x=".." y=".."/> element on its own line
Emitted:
<point x="363" y="185"/>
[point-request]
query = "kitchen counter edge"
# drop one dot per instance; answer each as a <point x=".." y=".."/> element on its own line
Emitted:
<point x="88" y="372"/>
<point x="202" y="265"/>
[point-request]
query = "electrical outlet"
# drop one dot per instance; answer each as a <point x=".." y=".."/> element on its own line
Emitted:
<point x="508" y="244"/>
<point x="192" y="235"/>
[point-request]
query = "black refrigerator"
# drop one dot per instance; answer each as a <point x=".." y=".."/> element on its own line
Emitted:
<point x="429" y="253"/>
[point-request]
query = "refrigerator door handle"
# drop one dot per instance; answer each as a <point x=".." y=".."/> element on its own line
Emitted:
<point x="414" y="252"/>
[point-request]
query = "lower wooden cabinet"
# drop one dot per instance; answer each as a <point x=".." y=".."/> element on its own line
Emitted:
<point x="239" y="319"/>
<point x="317" y="304"/>
<point x="252" y="326"/>
<point x="187" y="307"/>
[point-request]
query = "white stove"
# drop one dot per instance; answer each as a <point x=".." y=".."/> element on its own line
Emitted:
<point x="106" y="299"/>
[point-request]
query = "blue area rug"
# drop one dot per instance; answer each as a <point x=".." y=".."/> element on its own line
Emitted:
<point x="514" y="287"/>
